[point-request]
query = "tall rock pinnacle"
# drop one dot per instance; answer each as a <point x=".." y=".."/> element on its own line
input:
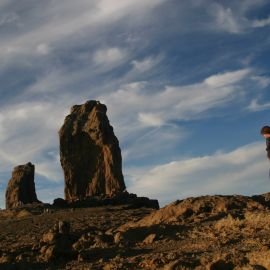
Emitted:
<point x="21" y="187"/>
<point x="90" y="154"/>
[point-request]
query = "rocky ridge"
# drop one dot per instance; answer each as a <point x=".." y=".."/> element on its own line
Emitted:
<point x="203" y="233"/>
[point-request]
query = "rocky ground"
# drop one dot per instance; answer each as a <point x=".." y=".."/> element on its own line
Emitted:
<point x="210" y="232"/>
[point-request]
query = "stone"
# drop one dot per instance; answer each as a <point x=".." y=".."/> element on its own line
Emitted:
<point x="64" y="227"/>
<point x="57" y="243"/>
<point x="23" y="213"/>
<point x="221" y="265"/>
<point x="90" y="154"/>
<point x="59" y="202"/>
<point x="101" y="242"/>
<point x="118" y="237"/>
<point x="21" y="187"/>
<point x="6" y="259"/>
<point x="50" y="237"/>
<point x="150" y="238"/>
<point x="84" y="242"/>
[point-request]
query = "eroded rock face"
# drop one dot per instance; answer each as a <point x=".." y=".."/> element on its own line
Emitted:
<point x="90" y="154"/>
<point x="21" y="187"/>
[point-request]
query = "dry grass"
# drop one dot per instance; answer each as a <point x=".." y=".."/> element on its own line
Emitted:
<point x="228" y="222"/>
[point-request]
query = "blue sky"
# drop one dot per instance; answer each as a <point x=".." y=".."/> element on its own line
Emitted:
<point x="186" y="84"/>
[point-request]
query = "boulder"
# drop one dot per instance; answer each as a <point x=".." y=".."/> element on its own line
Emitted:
<point x="90" y="154"/>
<point x="57" y="243"/>
<point x="59" y="202"/>
<point x="21" y="187"/>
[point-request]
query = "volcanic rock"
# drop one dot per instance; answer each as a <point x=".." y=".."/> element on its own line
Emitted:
<point x="90" y="153"/>
<point x="59" y="202"/>
<point x="57" y="243"/>
<point x="150" y="239"/>
<point x="21" y="187"/>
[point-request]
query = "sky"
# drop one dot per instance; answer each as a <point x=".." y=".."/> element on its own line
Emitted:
<point x="186" y="84"/>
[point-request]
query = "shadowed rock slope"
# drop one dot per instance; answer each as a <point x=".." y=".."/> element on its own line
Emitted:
<point x="21" y="187"/>
<point x="90" y="153"/>
<point x="204" y="233"/>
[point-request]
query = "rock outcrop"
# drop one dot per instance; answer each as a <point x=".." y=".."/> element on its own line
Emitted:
<point x="90" y="154"/>
<point x="129" y="200"/>
<point x="21" y="187"/>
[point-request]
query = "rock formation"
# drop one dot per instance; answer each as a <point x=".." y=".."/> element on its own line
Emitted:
<point x="21" y="187"/>
<point x="90" y="154"/>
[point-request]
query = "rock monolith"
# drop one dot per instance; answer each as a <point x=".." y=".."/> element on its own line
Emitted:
<point x="21" y="187"/>
<point x="90" y="154"/>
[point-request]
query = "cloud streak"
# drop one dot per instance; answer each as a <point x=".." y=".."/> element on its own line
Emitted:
<point x="109" y="57"/>
<point x="227" y="78"/>
<point x="255" y="106"/>
<point x="29" y="132"/>
<point x="176" y="102"/>
<point x="59" y="24"/>
<point x="261" y="22"/>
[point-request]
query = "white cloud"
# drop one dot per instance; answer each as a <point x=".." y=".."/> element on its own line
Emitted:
<point x="61" y="81"/>
<point x="146" y="64"/>
<point x="243" y="169"/>
<point x="52" y="82"/>
<point x="121" y="8"/>
<point x="233" y="19"/>
<point x="147" y="111"/>
<point x="28" y="131"/>
<point x="43" y="49"/>
<point x="175" y="103"/>
<point x="225" y="19"/>
<point x="8" y="18"/>
<point x="150" y="119"/>
<point x="143" y="65"/>
<point x="50" y="168"/>
<point x="60" y="23"/>
<point x="255" y="106"/>
<point x="57" y="80"/>
<point x="261" y="22"/>
<point x="227" y="78"/>
<point x="157" y="142"/>
<point x="263" y="81"/>
<point x="4" y="3"/>
<point x="109" y="56"/>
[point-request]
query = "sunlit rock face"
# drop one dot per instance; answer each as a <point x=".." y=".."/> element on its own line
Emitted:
<point x="90" y="154"/>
